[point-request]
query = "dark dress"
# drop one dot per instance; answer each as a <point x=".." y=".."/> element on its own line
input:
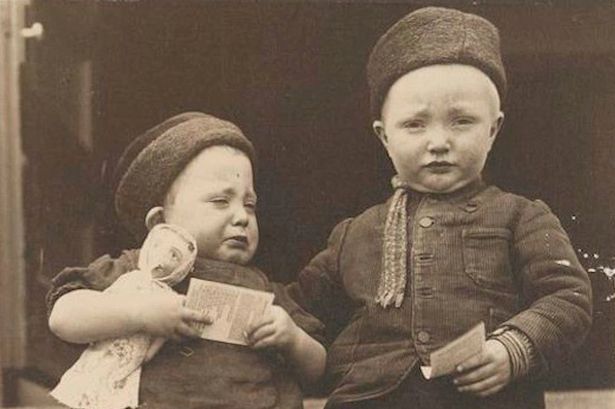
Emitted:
<point x="201" y="373"/>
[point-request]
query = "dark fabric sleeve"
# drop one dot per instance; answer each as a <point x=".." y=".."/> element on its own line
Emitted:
<point x="302" y="318"/>
<point x="556" y="289"/>
<point x="319" y="290"/>
<point x="99" y="275"/>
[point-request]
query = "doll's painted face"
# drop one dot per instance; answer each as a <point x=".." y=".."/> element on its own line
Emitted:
<point x="438" y="125"/>
<point x="166" y="251"/>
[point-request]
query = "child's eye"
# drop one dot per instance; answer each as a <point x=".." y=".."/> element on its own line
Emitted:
<point x="250" y="206"/>
<point x="463" y="121"/>
<point x="413" y="125"/>
<point x="220" y="201"/>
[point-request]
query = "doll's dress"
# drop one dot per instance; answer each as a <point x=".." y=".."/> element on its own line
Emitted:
<point x="107" y="374"/>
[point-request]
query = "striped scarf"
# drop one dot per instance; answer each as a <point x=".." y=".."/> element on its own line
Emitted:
<point x="394" y="249"/>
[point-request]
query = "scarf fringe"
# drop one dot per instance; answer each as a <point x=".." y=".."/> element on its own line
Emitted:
<point x="392" y="282"/>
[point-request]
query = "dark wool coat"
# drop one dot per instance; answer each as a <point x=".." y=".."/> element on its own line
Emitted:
<point x="479" y="254"/>
<point x="200" y="373"/>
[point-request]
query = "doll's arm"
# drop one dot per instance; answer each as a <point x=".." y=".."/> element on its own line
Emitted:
<point x="154" y="347"/>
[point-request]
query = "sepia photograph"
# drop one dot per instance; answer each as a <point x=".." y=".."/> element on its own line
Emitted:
<point x="312" y="204"/>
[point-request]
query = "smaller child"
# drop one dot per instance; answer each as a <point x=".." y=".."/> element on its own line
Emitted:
<point x="193" y="171"/>
<point x="107" y="374"/>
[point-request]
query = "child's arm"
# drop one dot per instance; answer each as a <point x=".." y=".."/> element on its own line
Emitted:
<point x="558" y="315"/>
<point x="83" y="316"/>
<point x="278" y="330"/>
<point x="554" y="287"/>
<point x="318" y="288"/>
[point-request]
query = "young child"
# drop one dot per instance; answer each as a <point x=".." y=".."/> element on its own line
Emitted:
<point x="108" y="373"/>
<point x="447" y="251"/>
<point x="193" y="171"/>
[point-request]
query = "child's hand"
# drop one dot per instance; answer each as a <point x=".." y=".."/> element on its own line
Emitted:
<point x="164" y="315"/>
<point x="276" y="329"/>
<point x="486" y="373"/>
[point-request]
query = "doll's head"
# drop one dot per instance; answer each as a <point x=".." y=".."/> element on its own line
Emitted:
<point x="168" y="253"/>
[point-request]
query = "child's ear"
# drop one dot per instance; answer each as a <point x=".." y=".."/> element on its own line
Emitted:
<point x="378" y="127"/>
<point x="154" y="216"/>
<point x="497" y="125"/>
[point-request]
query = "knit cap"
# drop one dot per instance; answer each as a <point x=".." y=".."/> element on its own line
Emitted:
<point x="154" y="159"/>
<point x="429" y="36"/>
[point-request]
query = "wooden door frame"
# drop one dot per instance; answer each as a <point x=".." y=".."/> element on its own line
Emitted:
<point x="12" y="260"/>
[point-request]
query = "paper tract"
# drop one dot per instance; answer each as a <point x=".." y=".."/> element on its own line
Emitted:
<point x="444" y="360"/>
<point x="231" y="308"/>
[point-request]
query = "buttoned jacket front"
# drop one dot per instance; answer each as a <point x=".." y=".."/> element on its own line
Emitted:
<point x="479" y="254"/>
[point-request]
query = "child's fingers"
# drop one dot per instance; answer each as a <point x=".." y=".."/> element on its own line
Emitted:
<point x="252" y="327"/>
<point x="266" y="320"/>
<point x="266" y="342"/>
<point x="472" y="362"/>
<point x="189" y="315"/>
<point x="475" y="375"/>
<point x="490" y="391"/>
<point x="260" y="333"/>
<point x="182" y="299"/>
<point x="186" y="330"/>
<point x="483" y="388"/>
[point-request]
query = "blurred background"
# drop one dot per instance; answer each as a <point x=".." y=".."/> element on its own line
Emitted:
<point x="80" y="79"/>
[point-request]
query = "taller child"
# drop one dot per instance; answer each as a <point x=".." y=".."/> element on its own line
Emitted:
<point x="447" y="250"/>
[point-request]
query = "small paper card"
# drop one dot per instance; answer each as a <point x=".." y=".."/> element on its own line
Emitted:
<point x="231" y="308"/>
<point x="445" y="360"/>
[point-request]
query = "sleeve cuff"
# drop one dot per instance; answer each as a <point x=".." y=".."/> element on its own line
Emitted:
<point x="523" y="359"/>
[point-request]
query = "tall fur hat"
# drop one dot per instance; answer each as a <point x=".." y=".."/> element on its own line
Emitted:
<point x="154" y="159"/>
<point x="433" y="35"/>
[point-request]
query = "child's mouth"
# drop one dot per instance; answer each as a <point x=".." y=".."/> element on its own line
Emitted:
<point x="238" y="241"/>
<point x="439" y="166"/>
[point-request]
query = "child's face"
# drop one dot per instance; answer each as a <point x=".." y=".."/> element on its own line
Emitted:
<point x="438" y="125"/>
<point x="214" y="200"/>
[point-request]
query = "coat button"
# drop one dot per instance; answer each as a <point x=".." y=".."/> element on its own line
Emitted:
<point x="186" y="351"/>
<point x="426" y="221"/>
<point x="423" y="336"/>
<point x="471" y="207"/>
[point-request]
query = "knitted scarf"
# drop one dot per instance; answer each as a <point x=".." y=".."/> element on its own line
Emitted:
<point x="394" y="249"/>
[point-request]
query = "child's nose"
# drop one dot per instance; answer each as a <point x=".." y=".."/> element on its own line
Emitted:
<point x="439" y="141"/>
<point x="240" y="216"/>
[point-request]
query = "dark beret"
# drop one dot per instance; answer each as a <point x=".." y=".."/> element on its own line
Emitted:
<point x="154" y="159"/>
<point x="429" y="36"/>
